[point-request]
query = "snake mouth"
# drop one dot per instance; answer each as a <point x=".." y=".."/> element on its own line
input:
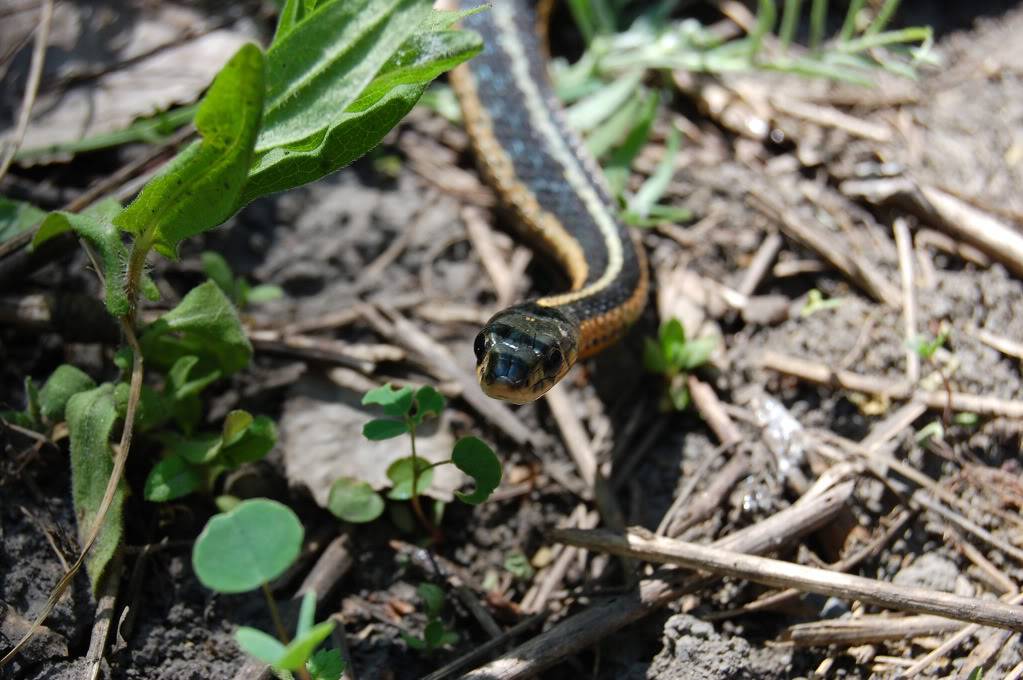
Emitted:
<point x="508" y="378"/>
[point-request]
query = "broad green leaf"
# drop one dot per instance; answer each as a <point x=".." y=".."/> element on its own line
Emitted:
<point x="325" y="61"/>
<point x="301" y="648"/>
<point x="235" y="424"/>
<point x="400" y="474"/>
<point x="204" y="324"/>
<point x="90" y="420"/>
<point x="173" y="477"/>
<point x="396" y="401"/>
<point x="293" y="12"/>
<point x="219" y="272"/>
<point x="432" y="596"/>
<point x="433" y="634"/>
<point x="252" y="544"/>
<point x="178" y="378"/>
<point x="673" y="337"/>
<point x="383" y="428"/>
<point x="429" y="402"/>
<point x="201" y="187"/>
<point x="17" y="217"/>
<point x="266" y="648"/>
<point x="65" y="382"/>
<point x="254" y="444"/>
<point x="354" y="501"/>
<point x="326" y="664"/>
<point x="476" y="459"/>
<point x="154" y="409"/>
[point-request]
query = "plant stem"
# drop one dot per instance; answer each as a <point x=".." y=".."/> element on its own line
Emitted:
<point x="417" y="507"/>
<point x="275" y="614"/>
<point x="136" y="267"/>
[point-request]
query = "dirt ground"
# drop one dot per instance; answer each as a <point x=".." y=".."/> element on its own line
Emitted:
<point x="330" y="246"/>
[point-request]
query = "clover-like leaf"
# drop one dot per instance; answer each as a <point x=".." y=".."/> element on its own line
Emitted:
<point x="354" y="500"/>
<point x="250" y="545"/>
<point x="400" y="474"/>
<point x="235" y="424"/>
<point x="473" y="457"/>
<point x="253" y="444"/>
<point x="383" y="428"/>
<point x="429" y="402"/>
<point x="326" y="664"/>
<point x="432" y="596"/>
<point x="173" y="477"/>
<point x="396" y="401"/>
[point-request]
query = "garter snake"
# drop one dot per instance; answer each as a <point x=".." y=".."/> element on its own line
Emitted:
<point x="558" y="200"/>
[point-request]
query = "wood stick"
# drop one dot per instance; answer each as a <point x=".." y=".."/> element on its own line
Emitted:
<point x="789" y="575"/>
<point x="904" y="244"/>
<point x="821" y="374"/>
<point x="760" y="264"/>
<point x="867" y="629"/>
<point x="593" y="624"/>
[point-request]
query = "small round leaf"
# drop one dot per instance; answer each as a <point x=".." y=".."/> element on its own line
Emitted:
<point x="250" y="545"/>
<point x="302" y="647"/>
<point x="266" y="648"/>
<point x="235" y="425"/>
<point x="400" y="474"/>
<point x="354" y="501"/>
<point x="476" y="459"/>
<point x="383" y="428"/>
<point x="171" y="478"/>
<point x="395" y="401"/>
<point x="429" y="402"/>
<point x="433" y="598"/>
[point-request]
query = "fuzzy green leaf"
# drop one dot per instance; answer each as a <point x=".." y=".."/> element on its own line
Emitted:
<point x="173" y="477"/>
<point x="179" y="384"/>
<point x="383" y="428"/>
<point x="65" y="382"/>
<point x="263" y="293"/>
<point x="396" y="401"/>
<point x="197" y="449"/>
<point x="204" y="324"/>
<point x="200" y="188"/>
<point x="90" y="420"/>
<point x="354" y="501"/>
<point x="473" y="457"/>
<point x="219" y="271"/>
<point x="400" y="474"/>
<point x="252" y="544"/>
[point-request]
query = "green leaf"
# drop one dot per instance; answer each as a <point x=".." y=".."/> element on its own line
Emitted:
<point x="433" y="634"/>
<point x="591" y="111"/>
<point x="263" y="293"/>
<point x="306" y="614"/>
<point x="171" y="478"/>
<point x="154" y="409"/>
<point x="429" y="402"/>
<point x="679" y="395"/>
<point x="348" y="114"/>
<point x="653" y="357"/>
<point x="180" y="387"/>
<point x="413" y="642"/>
<point x="383" y="428"/>
<point x="252" y="544"/>
<point x="518" y="565"/>
<point x="90" y="420"/>
<point x="449" y="637"/>
<point x="395" y="401"/>
<point x="400" y="474"/>
<point x="433" y="599"/>
<point x="654" y="187"/>
<point x="201" y="187"/>
<point x="673" y="338"/>
<point x="254" y="444"/>
<point x="65" y="382"/>
<point x="218" y="271"/>
<point x="106" y="240"/>
<point x="613" y="130"/>
<point x="696" y="352"/>
<point x="476" y="459"/>
<point x="354" y="501"/>
<point x="619" y="165"/>
<point x="17" y="217"/>
<point x="32" y="408"/>
<point x="256" y="643"/>
<point x="205" y="325"/>
<point x="197" y="449"/>
<point x="326" y="664"/>
<point x="319" y="67"/>
<point x="235" y="424"/>
<point x="301" y="648"/>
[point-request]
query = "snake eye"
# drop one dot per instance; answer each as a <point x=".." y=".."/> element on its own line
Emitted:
<point x="552" y="364"/>
<point x="479" y="346"/>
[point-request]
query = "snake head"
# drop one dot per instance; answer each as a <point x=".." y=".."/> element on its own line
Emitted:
<point x="524" y="350"/>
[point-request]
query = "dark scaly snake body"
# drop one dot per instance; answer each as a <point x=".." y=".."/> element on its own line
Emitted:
<point x="559" y="201"/>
